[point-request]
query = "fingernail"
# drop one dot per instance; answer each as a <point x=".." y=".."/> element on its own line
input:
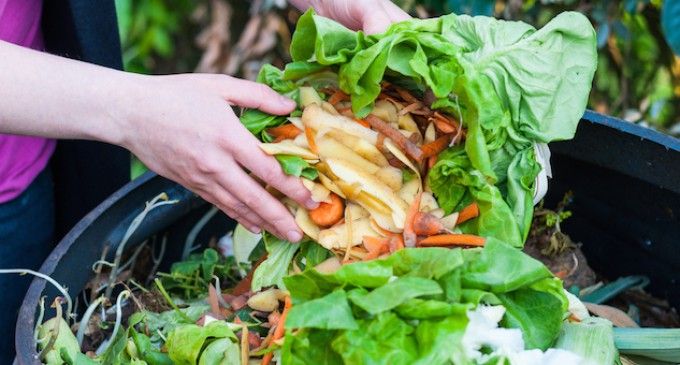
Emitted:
<point x="294" y="236"/>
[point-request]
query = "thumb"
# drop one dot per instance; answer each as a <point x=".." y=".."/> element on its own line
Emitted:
<point x="250" y="94"/>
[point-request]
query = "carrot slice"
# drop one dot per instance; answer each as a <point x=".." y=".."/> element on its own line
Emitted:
<point x="310" y="140"/>
<point x="286" y="131"/>
<point x="327" y="214"/>
<point x="431" y="161"/>
<point x="337" y="97"/>
<point x="426" y="224"/>
<point x="467" y="213"/>
<point x="410" y="236"/>
<point x="436" y="147"/>
<point x="452" y="240"/>
<point x="278" y="332"/>
<point x="399" y="139"/>
<point x="376" y="246"/>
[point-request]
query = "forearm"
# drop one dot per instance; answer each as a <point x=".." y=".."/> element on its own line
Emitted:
<point x="50" y="96"/>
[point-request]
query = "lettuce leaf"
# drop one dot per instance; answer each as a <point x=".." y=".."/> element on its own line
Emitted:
<point x="185" y="343"/>
<point x="414" y="310"/>
<point x="272" y="270"/>
<point x="296" y="166"/>
<point x="329" y="312"/>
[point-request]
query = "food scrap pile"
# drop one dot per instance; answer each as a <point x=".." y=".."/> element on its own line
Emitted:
<point x="421" y="146"/>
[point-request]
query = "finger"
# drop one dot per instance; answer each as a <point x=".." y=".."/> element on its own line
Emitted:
<point x="379" y="20"/>
<point x="253" y="197"/>
<point x="265" y="167"/>
<point x="250" y="94"/>
<point x="226" y="203"/>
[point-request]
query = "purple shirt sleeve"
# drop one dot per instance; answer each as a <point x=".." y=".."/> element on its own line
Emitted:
<point x="22" y="158"/>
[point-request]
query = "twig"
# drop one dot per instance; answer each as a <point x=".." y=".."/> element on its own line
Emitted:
<point x="86" y="319"/>
<point x="154" y="203"/>
<point x="55" y="330"/>
<point x="195" y="230"/>
<point x="62" y="290"/>
<point x="41" y="315"/>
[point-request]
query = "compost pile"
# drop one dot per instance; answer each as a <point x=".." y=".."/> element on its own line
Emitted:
<point x="421" y="146"/>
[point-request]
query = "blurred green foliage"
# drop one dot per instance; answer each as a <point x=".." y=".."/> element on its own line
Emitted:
<point x="638" y="76"/>
<point x="149" y="31"/>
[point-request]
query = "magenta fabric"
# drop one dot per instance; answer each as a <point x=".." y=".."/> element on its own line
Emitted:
<point x="21" y="158"/>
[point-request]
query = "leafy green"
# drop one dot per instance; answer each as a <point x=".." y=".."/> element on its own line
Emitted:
<point x="190" y="278"/>
<point x="275" y="267"/>
<point x="386" y="339"/>
<point x="256" y="121"/>
<point x="537" y="314"/>
<point x="329" y="312"/>
<point x="413" y="309"/>
<point x="222" y="351"/>
<point x="185" y="343"/>
<point x="296" y="166"/>
<point x="500" y="268"/>
<point x="309" y="347"/>
<point x="395" y="293"/>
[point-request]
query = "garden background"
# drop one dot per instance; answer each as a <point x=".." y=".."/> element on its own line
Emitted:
<point x="637" y="79"/>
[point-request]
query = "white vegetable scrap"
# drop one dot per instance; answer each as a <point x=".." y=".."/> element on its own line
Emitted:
<point x="483" y="332"/>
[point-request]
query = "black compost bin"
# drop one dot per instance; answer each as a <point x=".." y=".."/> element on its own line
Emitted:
<point x="625" y="180"/>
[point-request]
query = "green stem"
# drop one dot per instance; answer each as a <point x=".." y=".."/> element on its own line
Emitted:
<point x="169" y="300"/>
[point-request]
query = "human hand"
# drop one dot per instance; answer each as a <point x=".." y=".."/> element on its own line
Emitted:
<point x="370" y="16"/>
<point x="183" y="128"/>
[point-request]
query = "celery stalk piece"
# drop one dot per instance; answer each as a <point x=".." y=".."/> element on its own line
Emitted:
<point x="592" y="339"/>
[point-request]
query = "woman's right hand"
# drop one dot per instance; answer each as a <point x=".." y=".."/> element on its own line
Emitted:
<point x="183" y="128"/>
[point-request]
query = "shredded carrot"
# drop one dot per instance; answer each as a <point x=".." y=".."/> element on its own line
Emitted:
<point x="452" y="240"/>
<point x="286" y="131"/>
<point x="399" y="139"/>
<point x="362" y="122"/>
<point x="436" y="147"/>
<point x="380" y="230"/>
<point x="278" y="331"/>
<point x="561" y="274"/>
<point x="410" y="236"/>
<point x="327" y="214"/>
<point x="337" y="97"/>
<point x="411" y="107"/>
<point x="443" y="126"/>
<point x="407" y="96"/>
<point x="310" y="140"/>
<point x="431" y="161"/>
<point x="426" y="224"/>
<point x="467" y="213"/>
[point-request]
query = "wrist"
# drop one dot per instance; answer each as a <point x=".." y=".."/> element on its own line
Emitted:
<point x="124" y="108"/>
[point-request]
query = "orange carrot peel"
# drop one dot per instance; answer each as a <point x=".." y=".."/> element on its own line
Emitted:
<point x="310" y="140"/>
<point x="467" y="213"/>
<point x="278" y="331"/>
<point x="448" y="240"/>
<point x="286" y="131"/>
<point x="410" y="236"/>
<point x="328" y="214"/>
